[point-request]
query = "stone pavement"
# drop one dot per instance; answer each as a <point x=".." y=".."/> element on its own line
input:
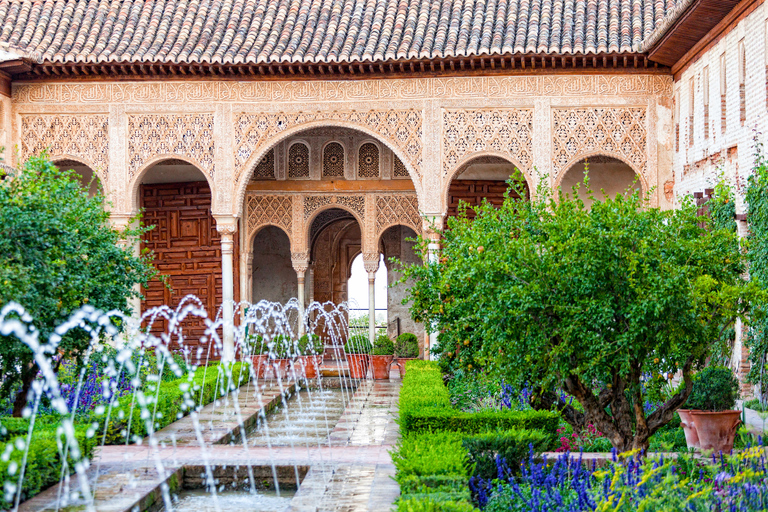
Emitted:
<point x="350" y="471"/>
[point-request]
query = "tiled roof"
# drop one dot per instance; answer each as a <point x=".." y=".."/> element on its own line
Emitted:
<point x="318" y="31"/>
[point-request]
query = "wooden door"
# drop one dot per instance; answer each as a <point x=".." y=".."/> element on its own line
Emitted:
<point x="473" y="192"/>
<point x="187" y="250"/>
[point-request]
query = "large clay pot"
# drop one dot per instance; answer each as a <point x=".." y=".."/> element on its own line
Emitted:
<point x="686" y="420"/>
<point x="310" y="365"/>
<point x="380" y="365"/>
<point x="716" y="430"/>
<point x="279" y="368"/>
<point x="358" y="365"/>
<point x="260" y="365"/>
<point x="401" y="364"/>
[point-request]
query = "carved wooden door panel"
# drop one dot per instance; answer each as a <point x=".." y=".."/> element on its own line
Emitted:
<point x="187" y="249"/>
<point x="473" y="192"/>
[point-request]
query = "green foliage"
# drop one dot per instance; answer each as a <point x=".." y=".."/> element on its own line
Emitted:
<point x="473" y="390"/>
<point x="168" y="401"/>
<point x="757" y="253"/>
<point x="383" y="346"/>
<point x="722" y="207"/>
<point x="311" y="345"/>
<point x="44" y="459"/>
<point x="715" y="388"/>
<point x="584" y="299"/>
<point x="58" y="253"/>
<point x="513" y="446"/>
<point x="282" y="347"/>
<point x="257" y="345"/>
<point x="358" y="344"/>
<point x="407" y="345"/>
<point x="431" y="453"/>
<point x="755" y="405"/>
<point x="430" y="504"/>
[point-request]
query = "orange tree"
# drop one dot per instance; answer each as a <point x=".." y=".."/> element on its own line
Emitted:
<point x="58" y="253"/>
<point x="589" y="300"/>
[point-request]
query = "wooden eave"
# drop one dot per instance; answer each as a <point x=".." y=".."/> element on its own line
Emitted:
<point x="466" y="66"/>
<point x="691" y="27"/>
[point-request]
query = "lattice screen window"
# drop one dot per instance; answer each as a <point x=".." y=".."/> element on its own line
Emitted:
<point x="266" y="168"/>
<point x="368" y="163"/>
<point x="333" y="160"/>
<point x="298" y="161"/>
<point x="400" y="170"/>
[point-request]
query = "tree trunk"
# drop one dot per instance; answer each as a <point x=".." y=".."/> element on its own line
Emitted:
<point x="27" y="377"/>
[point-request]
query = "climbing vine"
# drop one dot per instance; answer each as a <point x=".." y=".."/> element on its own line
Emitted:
<point x="757" y="256"/>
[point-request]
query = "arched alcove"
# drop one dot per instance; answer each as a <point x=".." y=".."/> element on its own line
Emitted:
<point x="357" y="290"/>
<point x="606" y="173"/>
<point x="482" y="178"/>
<point x="274" y="278"/>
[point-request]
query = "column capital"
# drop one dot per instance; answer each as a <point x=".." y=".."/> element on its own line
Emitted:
<point x="226" y="224"/>
<point x="371" y="262"/>
<point x="300" y="262"/>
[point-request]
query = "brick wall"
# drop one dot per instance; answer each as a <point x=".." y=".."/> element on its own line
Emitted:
<point x="737" y="85"/>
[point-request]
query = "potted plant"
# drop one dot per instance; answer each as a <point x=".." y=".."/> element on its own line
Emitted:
<point x="381" y="359"/>
<point x="358" y="352"/>
<point x="311" y="348"/>
<point x="711" y="407"/>
<point x="406" y="349"/>
<point x="281" y="355"/>
<point x="259" y="351"/>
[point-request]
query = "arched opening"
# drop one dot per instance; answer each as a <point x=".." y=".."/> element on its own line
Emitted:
<point x="399" y="242"/>
<point x="88" y="179"/>
<point x="335" y="237"/>
<point x="483" y="178"/>
<point x="358" y="297"/>
<point x="176" y="199"/>
<point x="274" y="278"/>
<point x="606" y="174"/>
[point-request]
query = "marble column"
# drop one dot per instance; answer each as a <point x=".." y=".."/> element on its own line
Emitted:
<point x="227" y="226"/>
<point x="371" y="265"/>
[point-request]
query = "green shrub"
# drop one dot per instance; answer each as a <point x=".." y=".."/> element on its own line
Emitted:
<point x="383" y="346"/>
<point x="431" y="453"/>
<point x="755" y="405"/>
<point x="715" y="388"/>
<point x="282" y="346"/>
<point x="476" y="422"/>
<point x="425" y="484"/>
<point x="430" y="504"/>
<point x="358" y="344"/>
<point x="407" y="345"/>
<point x="311" y="345"/>
<point x="513" y="446"/>
<point x="257" y="345"/>
<point x="172" y="401"/>
<point x="44" y="460"/>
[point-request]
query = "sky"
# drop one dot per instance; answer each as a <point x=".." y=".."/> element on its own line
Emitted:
<point x="358" y="286"/>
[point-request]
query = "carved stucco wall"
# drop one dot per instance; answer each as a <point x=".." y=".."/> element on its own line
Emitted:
<point x="234" y="123"/>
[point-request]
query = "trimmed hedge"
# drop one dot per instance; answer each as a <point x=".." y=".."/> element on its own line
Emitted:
<point x="425" y="405"/>
<point x="173" y="401"/>
<point x="44" y="458"/>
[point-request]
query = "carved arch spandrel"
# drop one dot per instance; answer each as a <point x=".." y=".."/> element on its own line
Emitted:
<point x="479" y="131"/>
<point x="81" y="137"/>
<point x="580" y="132"/>
<point x="184" y="135"/>
<point x="394" y="210"/>
<point x="268" y="210"/>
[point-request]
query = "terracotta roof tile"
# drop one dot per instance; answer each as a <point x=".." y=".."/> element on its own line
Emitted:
<point x="316" y="31"/>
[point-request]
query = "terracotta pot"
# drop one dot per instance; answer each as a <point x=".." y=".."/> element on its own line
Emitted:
<point x="259" y="365"/>
<point x="716" y="430"/>
<point x="401" y="364"/>
<point x="278" y="368"/>
<point x="686" y="420"/>
<point x="310" y="365"/>
<point x="380" y="365"/>
<point x="358" y="365"/>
